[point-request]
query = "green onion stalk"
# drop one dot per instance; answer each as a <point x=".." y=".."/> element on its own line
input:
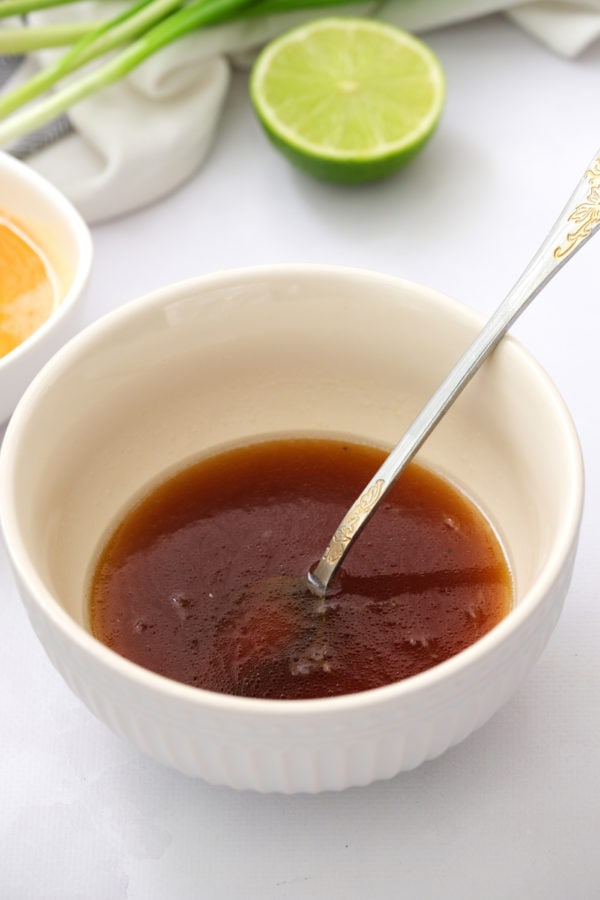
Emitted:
<point x="142" y="29"/>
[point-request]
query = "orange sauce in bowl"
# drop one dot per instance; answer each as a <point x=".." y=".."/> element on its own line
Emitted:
<point x="27" y="291"/>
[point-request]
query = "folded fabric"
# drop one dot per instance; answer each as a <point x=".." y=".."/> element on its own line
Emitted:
<point x="108" y="155"/>
<point x="569" y="29"/>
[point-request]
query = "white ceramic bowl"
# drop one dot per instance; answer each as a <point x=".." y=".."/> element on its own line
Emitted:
<point x="61" y="234"/>
<point x="235" y="355"/>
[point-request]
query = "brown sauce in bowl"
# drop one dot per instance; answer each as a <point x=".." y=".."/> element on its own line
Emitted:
<point x="174" y="589"/>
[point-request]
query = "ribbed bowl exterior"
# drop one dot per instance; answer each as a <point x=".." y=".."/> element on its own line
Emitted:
<point x="319" y="751"/>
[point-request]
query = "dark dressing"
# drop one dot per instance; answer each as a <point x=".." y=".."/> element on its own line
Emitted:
<point x="175" y="588"/>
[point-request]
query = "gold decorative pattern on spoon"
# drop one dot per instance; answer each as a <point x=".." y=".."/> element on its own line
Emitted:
<point x="359" y="511"/>
<point x="586" y="214"/>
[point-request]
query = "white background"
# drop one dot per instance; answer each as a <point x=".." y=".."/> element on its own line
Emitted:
<point x="513" y="812"/>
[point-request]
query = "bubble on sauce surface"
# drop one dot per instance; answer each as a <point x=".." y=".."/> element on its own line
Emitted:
<point x="181" y="603"/>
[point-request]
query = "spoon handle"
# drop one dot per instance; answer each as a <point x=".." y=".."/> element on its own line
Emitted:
<point x="579" y="220"/>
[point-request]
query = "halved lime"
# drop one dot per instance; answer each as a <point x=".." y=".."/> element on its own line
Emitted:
<point x="346" y="99"/>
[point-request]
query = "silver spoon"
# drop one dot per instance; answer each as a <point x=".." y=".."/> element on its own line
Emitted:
<point x="579" y="220"/>
<point x="285" y="595"/>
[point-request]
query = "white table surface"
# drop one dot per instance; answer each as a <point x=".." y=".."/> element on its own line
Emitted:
<point x="514" y="811"/>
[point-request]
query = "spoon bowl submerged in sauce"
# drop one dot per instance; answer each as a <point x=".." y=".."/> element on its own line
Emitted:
<point x="233" y="359"/>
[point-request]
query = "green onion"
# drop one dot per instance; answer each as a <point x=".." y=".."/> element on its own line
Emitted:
<point x="22" y="7"/>
<point x="24" y="40"/>
<point x="108" y="35"/>
<point x="140" y="31"/>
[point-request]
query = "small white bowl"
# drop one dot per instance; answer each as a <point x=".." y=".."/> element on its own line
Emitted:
<point x="238" y="355"/>
<point x="54" y="225"/>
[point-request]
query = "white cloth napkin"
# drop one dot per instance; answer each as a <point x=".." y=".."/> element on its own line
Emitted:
<point x="137" y="140"/>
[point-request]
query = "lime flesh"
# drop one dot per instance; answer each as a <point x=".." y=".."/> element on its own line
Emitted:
<point x="348" y="100"/>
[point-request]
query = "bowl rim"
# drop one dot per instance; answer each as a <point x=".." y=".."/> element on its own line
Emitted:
<point x="271" y="709"/>
<point x="84" y="252"/>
